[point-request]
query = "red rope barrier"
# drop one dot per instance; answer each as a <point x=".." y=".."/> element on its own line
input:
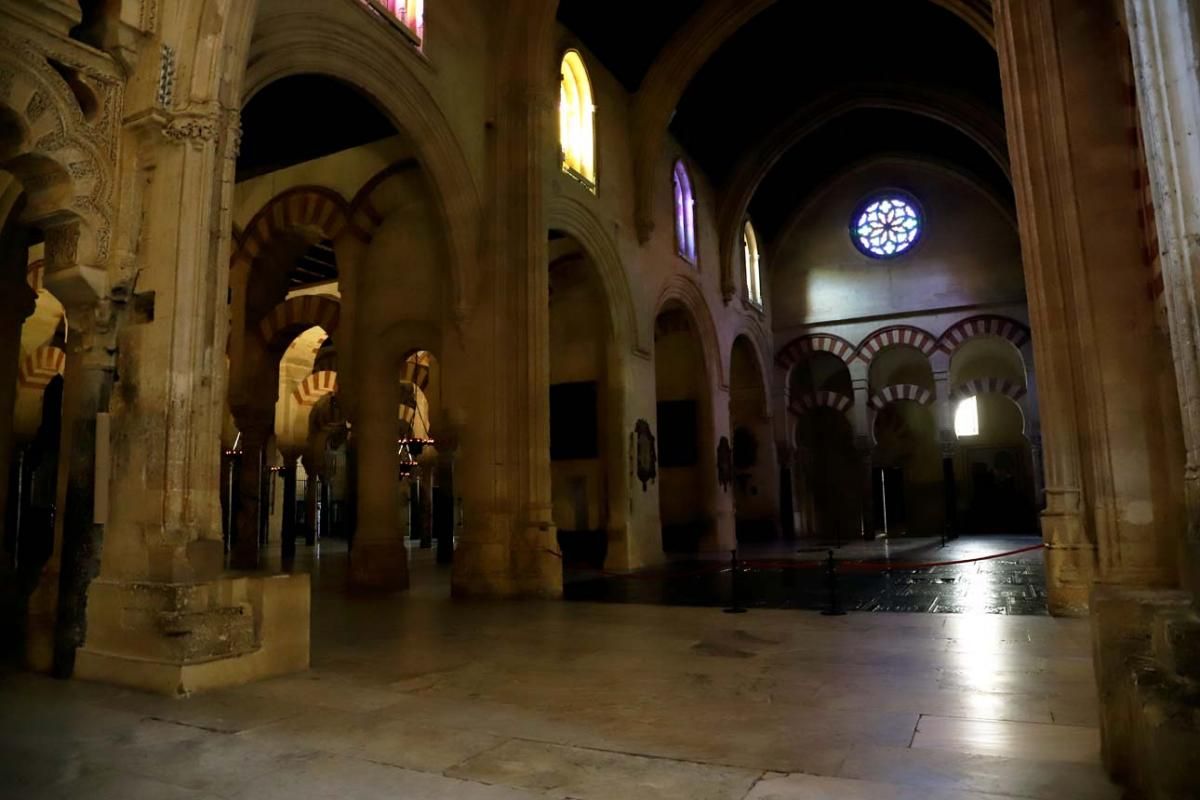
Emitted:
<point x="866" y="566"/>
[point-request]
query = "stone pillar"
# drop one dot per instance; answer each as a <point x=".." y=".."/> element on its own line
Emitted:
<point x="508" y="537"/>
<point x="161" y="615"/>
<point x="445" y="507"/>
<point x="786" y="460"/>
<point x="862" y="418"/>
<point x="256" y="430"/>
<point x="865" y="451"/>
<point x="425" y="486"/>
<point x="1163" y="37"/>
<point x="378" y="559"/>
<point x="312" y="487"/>
<point x="1110" y="505"/>
<point x="288" y="528"/>
<point x="87" y="389"/>
<point x="944" y="408"/>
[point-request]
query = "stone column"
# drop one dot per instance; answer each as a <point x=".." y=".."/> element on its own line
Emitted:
<point x="445" y="509"/>
<point x="862" y="418"/>
<point x="288" y="528"/>
<point x="161" y="615"/>
<point x="509" y="535"/>
<point x="378" y="559"/>
<point x="1110" y="510"/>
<point x="311" y="497"/>
<point x="944" y="409"/>
<point x="425" y="487"/>
<point x="256" y="430"/>
<point x="87" y="389"/>
<point x="1163" y="36"/>
<point x="786" y="460"/>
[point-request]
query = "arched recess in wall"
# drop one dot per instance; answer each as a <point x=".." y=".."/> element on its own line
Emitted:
<point x="54" y="152"/>
<point x="685" y="430"/>
<point x="1013" y="331"/>
<point x="801" y="348"/>
<point x="684" y="291"/>
<point x="907" y="474"/>
<point x="684" y="55"/>
<point x="968" y="117"/>
<point x="290" y="44"/>
<point x="755" y="481"/>
<point x="572" y="217"/>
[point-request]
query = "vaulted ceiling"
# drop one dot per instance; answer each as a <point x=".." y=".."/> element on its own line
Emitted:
<point x="890" y="77"/>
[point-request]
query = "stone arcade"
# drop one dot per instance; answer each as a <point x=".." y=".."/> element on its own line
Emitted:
<point x="297" y="294"/>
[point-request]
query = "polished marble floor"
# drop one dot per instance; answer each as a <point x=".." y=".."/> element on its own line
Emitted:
<point x="785" y="575"/>
<point x="417" y="696"/>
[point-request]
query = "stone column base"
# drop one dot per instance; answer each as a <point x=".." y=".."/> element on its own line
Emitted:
<point x="1145" y="642"/>
<point x="379" y="566"/>
<point x="1070" y="572"/>
<point x="178" y="639"/>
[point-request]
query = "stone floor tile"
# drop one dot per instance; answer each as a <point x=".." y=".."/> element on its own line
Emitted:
<point x="601" y="775"/>
<point x="1036" y="742"/>
<point x="332" y="777"/>
<point x="946" y="770"/>
<point x="113" y="784"/>
<point x="815" y="787"/>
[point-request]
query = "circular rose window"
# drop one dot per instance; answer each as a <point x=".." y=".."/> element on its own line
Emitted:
<point x="886" y="226"/>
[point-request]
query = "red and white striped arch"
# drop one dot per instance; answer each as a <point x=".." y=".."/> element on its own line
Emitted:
<point x="823" y="399"/>
<point x="301" y="207"/>
<point x="800" y="349"/>
<point x="314" y="387"/>
<point x="39" y="367"/>
<point x="988" y="325"/>
<point x="298" y="314"/>
<point x="905" y="335"/>
<point x="1005" y="386"/>
<point x="900" y="391"/>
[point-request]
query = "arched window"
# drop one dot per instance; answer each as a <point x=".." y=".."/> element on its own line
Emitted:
<point x="410" y="12"/>
<point x="966" y="418"/>
<point x="750" y="254"/>
<point x="576" y="120"/>
<point x="685" y="213"/>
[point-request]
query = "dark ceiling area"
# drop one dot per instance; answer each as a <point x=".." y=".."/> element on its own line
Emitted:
<point x="626" y="49"/>
<point x="794" y="54"/>
<point x="858" y="137"/>
<point x="279" y="130"/>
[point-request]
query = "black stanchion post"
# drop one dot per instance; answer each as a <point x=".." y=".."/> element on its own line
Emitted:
<point x="835" y="606"/>
<point x="735" y="607"/>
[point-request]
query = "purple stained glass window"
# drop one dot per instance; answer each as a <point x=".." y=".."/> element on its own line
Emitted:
<point x="887" y="225"/>
<point x="685" y="214"/>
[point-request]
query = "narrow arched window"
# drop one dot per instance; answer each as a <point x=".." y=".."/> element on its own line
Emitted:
<point x="576" y="120"/>
<point x="685" y="214"/>
<point x="752" y="257"/>
<point x="966" y="418"/>
<point x="411" y="14"/>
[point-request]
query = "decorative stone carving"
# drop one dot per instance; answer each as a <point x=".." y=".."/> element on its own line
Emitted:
<point x="36" y="106"/>
<point x="194" y="129"/>
<point x="166" y="77"/>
